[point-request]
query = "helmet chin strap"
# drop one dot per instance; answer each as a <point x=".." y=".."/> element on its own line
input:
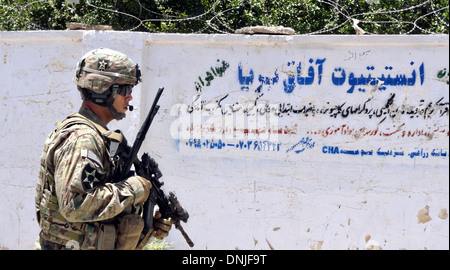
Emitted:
<point x="110" y="104"/>
<point x="117" y="115"/>
<point x="105" y="100"/>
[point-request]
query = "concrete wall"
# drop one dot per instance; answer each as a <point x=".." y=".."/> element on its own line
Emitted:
<point x="270" y="142"/>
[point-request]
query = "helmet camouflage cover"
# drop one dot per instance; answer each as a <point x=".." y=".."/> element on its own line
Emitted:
<point x="100" y="68"/>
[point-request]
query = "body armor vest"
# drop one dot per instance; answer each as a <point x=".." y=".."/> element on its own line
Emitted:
<point x="55" y="228"/>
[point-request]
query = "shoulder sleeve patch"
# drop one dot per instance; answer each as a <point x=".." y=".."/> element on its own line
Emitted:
<point x="91" y="178"/>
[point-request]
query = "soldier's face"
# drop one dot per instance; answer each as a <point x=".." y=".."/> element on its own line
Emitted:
<point x="121" y="103"/>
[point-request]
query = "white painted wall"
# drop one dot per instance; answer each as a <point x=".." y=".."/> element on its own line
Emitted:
<point x="327" y="180"/>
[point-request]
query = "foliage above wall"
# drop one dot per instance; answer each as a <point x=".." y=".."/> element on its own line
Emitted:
<point x="226" y="16"/>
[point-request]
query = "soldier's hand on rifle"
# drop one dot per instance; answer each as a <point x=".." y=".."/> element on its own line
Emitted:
<point x="161" y="226"/>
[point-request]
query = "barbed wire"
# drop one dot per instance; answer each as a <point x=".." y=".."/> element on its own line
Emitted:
<point x="214" y="20"/>
<point x="19" y="14"/>
<point x="352" y="17"/>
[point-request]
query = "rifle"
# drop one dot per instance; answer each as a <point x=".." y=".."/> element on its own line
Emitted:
<point x="169" y="206"/>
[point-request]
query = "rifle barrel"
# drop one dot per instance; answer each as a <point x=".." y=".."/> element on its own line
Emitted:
<point x="141" y="135"/>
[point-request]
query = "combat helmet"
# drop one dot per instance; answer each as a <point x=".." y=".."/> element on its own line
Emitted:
<point x="103" y="73"/>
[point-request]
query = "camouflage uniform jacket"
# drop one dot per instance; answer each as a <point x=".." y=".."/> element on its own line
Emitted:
<point x="74" y="193"/>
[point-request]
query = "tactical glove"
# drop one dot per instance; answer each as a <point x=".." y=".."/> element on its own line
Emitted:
<point x="161" y="226"/>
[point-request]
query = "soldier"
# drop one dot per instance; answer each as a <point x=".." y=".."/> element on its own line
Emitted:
<point x="77" y="203"/>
